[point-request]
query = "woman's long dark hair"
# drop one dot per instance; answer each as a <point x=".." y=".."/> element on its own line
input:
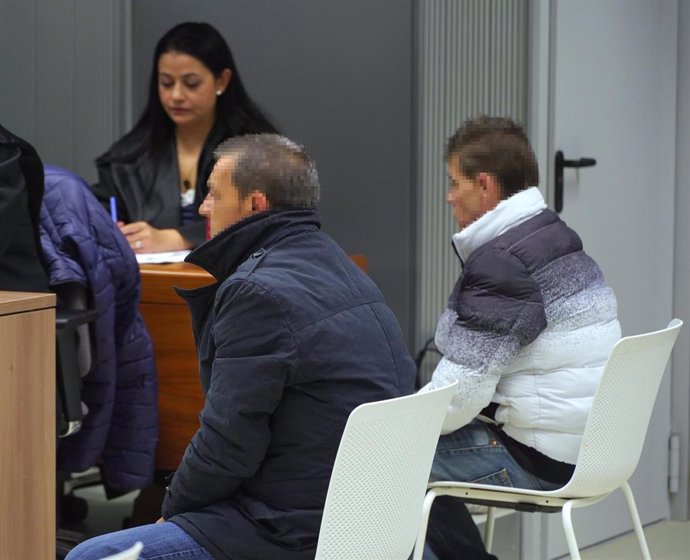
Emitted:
<point x="236" y="113"/>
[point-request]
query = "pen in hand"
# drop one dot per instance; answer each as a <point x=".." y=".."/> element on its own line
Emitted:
<point x="113" y="209"/>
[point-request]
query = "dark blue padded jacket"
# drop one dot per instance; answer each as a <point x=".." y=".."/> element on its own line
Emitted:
<point x="290" y="340"/>
<point x="81" y="244"/>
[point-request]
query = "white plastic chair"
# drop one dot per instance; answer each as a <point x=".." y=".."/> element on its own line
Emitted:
<point x="131" y="553"/>
<point x="610" y="448"/>
<point x="374" y="501"/>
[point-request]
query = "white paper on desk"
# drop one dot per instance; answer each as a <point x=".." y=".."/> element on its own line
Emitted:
<point x="161" y="258"/>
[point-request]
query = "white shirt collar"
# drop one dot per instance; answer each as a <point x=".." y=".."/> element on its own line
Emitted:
<point x="507" y="214"/>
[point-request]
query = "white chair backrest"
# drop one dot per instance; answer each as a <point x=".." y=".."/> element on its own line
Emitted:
<point x="131" y="553"/>
<point x="622" y="406"/>
<point x="374" y="502"/>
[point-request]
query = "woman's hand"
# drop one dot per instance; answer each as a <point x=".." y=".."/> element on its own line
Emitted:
<point x="144" y="238"/>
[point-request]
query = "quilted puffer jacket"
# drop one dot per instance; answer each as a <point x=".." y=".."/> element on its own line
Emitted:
<point x="81" y="244"/>
<point x="290" y="340"/>
<point x="529" y="326"/>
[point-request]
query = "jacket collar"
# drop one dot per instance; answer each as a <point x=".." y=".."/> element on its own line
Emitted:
<point x="506" y="215"/>
<point x="222" y="255"/>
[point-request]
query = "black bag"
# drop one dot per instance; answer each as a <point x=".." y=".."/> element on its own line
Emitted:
<point x="426" y="361"/>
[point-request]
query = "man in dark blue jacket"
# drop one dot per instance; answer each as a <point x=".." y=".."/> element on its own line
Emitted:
<point x="291" y="338"/>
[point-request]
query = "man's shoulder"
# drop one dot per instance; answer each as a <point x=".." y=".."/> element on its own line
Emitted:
<point x="538" y="229"/>
<point x="307" y="255"/>
<point x="535" y="242"/>
<point x="308" y="276"/>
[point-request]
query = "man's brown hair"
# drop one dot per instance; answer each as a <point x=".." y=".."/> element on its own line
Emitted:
<point x="274" y="165"/>
<point x="495" y="145"/>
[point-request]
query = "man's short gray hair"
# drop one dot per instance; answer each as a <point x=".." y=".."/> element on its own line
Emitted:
<point x="274" y="165"/>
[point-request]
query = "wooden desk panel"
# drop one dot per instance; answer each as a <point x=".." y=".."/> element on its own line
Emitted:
<point x="27" y="425"/>
<point x="167" y="318"/>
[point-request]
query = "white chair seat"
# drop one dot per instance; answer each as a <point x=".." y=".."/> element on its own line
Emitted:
<point x="487" y="494"/>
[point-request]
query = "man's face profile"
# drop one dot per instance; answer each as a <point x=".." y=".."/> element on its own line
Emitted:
<point x="469" y="198"/>
<point x="223" y="205"/>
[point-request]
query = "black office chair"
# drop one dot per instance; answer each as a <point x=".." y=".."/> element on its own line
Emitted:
<point x="426" y="361"/>
<point x="73" y="361"/>
<point x="73" y="345"/>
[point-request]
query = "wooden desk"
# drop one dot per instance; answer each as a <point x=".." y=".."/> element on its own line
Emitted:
<point x="27" y="425"/>
<point x="167" y="318"/>
<point x="168" y="322"/>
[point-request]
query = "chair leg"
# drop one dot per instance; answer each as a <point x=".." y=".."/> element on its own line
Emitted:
<point x="423" y="525"/>
<point x="489" y="528"/>
<point x="569" y="532"/>
<point x="637" y="524"/>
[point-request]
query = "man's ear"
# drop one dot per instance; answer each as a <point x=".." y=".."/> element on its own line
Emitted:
<point x="259" y="201"/>
<point x="490" y="186"/>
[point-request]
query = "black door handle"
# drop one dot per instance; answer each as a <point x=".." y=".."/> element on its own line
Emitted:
<point x="561" y="162"/>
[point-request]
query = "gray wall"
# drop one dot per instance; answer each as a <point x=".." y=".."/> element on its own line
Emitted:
<point x="335" y="75"/>
<point x="63" y="81"/>
<point x="473" y="59"/>
<point x="680" y="415"/>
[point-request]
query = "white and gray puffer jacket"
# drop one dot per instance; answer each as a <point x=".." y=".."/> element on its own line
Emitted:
<point x="529" y="325"/>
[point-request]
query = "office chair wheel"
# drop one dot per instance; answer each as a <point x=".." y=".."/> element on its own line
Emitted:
<point x="73" y="509"/>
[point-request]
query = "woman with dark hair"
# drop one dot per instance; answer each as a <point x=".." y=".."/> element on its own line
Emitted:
<point x="158" y="171"/>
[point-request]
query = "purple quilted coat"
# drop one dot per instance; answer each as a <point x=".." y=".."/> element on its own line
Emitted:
<point x="81" y="244"/>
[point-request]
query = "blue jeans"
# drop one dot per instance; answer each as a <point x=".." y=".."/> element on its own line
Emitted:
<point x="470" y="454"/>
<point x="474" y="454"/>
<point x="161" y="541"/>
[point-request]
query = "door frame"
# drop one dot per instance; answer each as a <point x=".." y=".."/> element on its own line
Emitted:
<point x="680" y="380"/>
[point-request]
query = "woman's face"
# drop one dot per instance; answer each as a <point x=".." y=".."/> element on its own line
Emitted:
<point x="187" y="89"/>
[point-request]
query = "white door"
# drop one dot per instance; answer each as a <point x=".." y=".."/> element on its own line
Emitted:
<point x="612" y="98"/>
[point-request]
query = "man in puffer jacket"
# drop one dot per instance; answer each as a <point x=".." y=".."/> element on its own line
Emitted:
<point x="529" y="326"/>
